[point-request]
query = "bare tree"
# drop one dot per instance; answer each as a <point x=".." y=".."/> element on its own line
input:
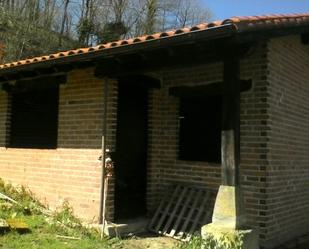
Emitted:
<point x="158" y="15"/>
<point x="64" y="20"/>
<point x="32" y="27"/>
<point x="151" y="14"/>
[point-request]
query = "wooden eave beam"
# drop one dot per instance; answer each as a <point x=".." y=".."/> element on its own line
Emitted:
<point x="35" y="82"/>
<point x="206" y="90"/>
<point x="142" y="81"/>
<point x="38" y="72"/>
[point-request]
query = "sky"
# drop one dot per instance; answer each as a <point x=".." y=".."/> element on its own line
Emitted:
<point x="223" y="9"/>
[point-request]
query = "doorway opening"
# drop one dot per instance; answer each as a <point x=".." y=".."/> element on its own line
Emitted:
<point x="131" y="150"/>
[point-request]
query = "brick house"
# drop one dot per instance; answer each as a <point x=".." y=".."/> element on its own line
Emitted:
<point x="157" y="99"/>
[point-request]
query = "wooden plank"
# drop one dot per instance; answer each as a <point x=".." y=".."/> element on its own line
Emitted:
<point x="189" y="216"/>
<point x="5" y="197"/>
<point x="167" y="209"/>
<point x="157" y="213"/>
<point x="199" y="214"/>
<point x="18" y="225"/>
<point x="183" y="209"/>
<point x="181" y="214"/>
<point x="172" y="215"/>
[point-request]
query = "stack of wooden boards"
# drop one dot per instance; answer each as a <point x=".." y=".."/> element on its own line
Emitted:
<point x="182" y="212"/>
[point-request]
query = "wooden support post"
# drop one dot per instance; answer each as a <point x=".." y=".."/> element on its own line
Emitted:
<point x="229" y="216"/>
<point x="230" y="144"/>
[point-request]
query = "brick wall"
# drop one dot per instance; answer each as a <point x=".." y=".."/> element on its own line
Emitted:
<point x="72" y="171"/>
<point x="274" y="161"/>
<point x="288" y="169"/>
<point x="163" y="166"/>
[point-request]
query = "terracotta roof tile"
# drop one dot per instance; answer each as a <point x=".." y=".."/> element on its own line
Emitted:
<point x="242" y="24"/>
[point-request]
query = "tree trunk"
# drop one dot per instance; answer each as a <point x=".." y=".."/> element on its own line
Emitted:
<point x="64" y="20"/>
<point x="152" y="6"/>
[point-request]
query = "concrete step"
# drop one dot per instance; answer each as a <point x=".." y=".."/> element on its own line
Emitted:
<point x="126" y="227"/>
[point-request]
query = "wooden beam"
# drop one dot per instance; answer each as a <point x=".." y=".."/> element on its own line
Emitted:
<point x="83" y="64"/>
<point x="157" y="61"/>
<point x="35" y="83"/>
<point x="64" y="67"/>
<point x="28" y="74"/>
<point x="142" y="81"/>
<point x="305" y="38"/>
<point x="39" y="72"/>
<point x="35" y="74"/>
<point x="206" y="90"/>
<point x="230" y="144"/>
<point x="46" y="71"/>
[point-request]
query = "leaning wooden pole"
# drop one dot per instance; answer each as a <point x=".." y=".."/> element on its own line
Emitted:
<point x="104" y="206"/>
<point x="108" y="170"/>
<point x="103" y="157"/>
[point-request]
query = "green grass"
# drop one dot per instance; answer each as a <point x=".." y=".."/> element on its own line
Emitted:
<point x="44" y="229"/>
<point x="44" y="235"/>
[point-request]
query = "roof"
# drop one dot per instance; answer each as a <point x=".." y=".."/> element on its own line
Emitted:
<point x="240" y="25"/>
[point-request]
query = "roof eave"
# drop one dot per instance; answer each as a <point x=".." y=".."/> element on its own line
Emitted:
<point x="223" y="31"/>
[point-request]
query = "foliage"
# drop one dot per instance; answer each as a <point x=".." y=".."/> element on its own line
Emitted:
<point x="23" y="38"/>
<point x="27" y="203"/>
<point x="112" y="32"/>
<point x="46" y="228"/>
<point x="195" y="243"/>
<point x="85" y="28"/>
<point x="225" y="242"/>
<point x="63" y="221"/>
<point x="34" y="27"/>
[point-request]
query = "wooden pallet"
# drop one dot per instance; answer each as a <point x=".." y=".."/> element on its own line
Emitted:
<point x="182" y="212"/>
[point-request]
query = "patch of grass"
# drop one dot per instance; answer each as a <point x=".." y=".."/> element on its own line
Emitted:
<point x="45" y="229"/>
<point x="195" y="243"/>
<point x="224" y="242"/>
<point x="25" y="199"/>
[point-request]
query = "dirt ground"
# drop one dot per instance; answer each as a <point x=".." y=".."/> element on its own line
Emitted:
<point x="149" y="241"/>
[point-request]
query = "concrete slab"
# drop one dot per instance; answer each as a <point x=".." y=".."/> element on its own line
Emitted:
<point x="126" y="227"/>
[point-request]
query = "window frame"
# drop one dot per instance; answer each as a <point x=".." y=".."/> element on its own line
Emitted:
<point x="200" y="154"/>
<point x="13" y="139"/>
